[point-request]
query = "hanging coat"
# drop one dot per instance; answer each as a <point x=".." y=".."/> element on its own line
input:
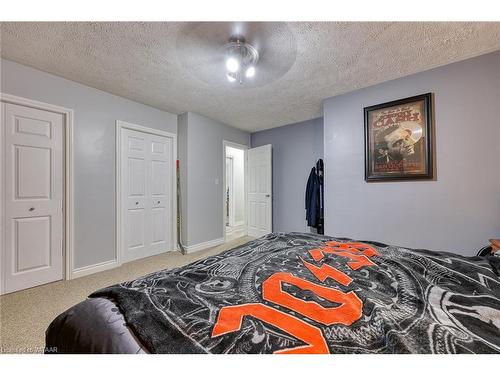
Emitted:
<point x="320" y="171"/>
<point x="312" y="199"/>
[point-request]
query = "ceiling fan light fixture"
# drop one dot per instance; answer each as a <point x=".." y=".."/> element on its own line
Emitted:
<point x="241" y="58"/>
<point x="250" y="72"/>
<point x="232" y="64"/>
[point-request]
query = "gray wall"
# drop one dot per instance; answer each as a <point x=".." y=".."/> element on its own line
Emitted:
<point x="459" y="211"/>
<point x="95" y="113"/>
<point x="296" y="148"/>
<point x="202" y="195"/>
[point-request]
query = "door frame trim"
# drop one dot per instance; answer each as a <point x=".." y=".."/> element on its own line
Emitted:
<point x="232" y="210"/>
<point x="68" y="159"/>
<point x="243" y="147"/>
<point x="118" y="178"/>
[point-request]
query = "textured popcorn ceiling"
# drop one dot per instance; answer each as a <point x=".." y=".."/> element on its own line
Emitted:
<point x="177" y="66"/>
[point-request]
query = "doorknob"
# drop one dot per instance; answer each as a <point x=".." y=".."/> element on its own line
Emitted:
<point x="267" y="195"/>
<point x="31" y="209"/>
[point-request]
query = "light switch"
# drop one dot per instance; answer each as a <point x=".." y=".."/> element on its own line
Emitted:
<point x="216" y="181"/>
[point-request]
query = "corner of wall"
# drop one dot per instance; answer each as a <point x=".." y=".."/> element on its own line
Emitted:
<point x="182" y="156"/>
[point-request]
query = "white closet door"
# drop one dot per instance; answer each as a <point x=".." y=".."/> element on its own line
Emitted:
<point x="161" y="165"/>
<point x="146" y="194"/>
<point x="33" y="197"/>
<point x="259" y="191"/>
<point x="134" y="194"/>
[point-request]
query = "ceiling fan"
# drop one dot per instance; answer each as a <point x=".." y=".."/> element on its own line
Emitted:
<point x="252" y="54"/>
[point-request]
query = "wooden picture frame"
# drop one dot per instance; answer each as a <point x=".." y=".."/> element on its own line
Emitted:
<point x="398" y="140"/>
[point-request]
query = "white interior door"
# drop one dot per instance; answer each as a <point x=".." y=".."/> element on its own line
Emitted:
<point x="147" y="196"/>
<point x="162" y="218"/>
<point x="259" y="191"/>
<point x="33" y="197"/>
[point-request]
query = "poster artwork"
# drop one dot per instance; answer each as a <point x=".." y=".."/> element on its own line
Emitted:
<point x="398" y="133"/>
<point x="398" y="144"/>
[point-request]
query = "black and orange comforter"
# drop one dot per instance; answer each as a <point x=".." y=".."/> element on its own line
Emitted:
<point x="304" y="293"/>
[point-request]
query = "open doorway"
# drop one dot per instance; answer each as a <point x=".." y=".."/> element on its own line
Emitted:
<point x="234" y="191"/>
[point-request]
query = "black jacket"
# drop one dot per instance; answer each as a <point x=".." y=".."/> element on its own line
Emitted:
<point x="313" y="199"/>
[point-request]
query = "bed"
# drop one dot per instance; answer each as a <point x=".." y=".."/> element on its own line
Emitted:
<point x="295" y="293"/>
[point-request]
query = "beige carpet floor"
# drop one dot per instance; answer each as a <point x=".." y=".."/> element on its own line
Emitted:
<point x="25" y="315"/>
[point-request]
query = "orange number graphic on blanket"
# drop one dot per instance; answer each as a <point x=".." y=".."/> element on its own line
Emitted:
<point x="230" y="319"/>
<point x="348" y="312"/>
<point x="351" y="250"/>
<point x="356" y="247"/>
<point x="325" y="271"/>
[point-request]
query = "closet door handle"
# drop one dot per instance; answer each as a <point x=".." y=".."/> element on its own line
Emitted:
<point x="268" y="195"/>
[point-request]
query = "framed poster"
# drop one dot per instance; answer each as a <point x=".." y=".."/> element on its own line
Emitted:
<point x="398" y="140"/>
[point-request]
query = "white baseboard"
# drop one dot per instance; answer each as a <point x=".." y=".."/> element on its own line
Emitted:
<point x="94" y="268"/>
<point x="203" y="245"/>
<point x="240" y="228"/>
<point x="235" y="228"/>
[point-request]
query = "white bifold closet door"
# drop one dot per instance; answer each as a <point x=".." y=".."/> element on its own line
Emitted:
<point x="147" y="196"/>
<point x="34" y="228"/>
